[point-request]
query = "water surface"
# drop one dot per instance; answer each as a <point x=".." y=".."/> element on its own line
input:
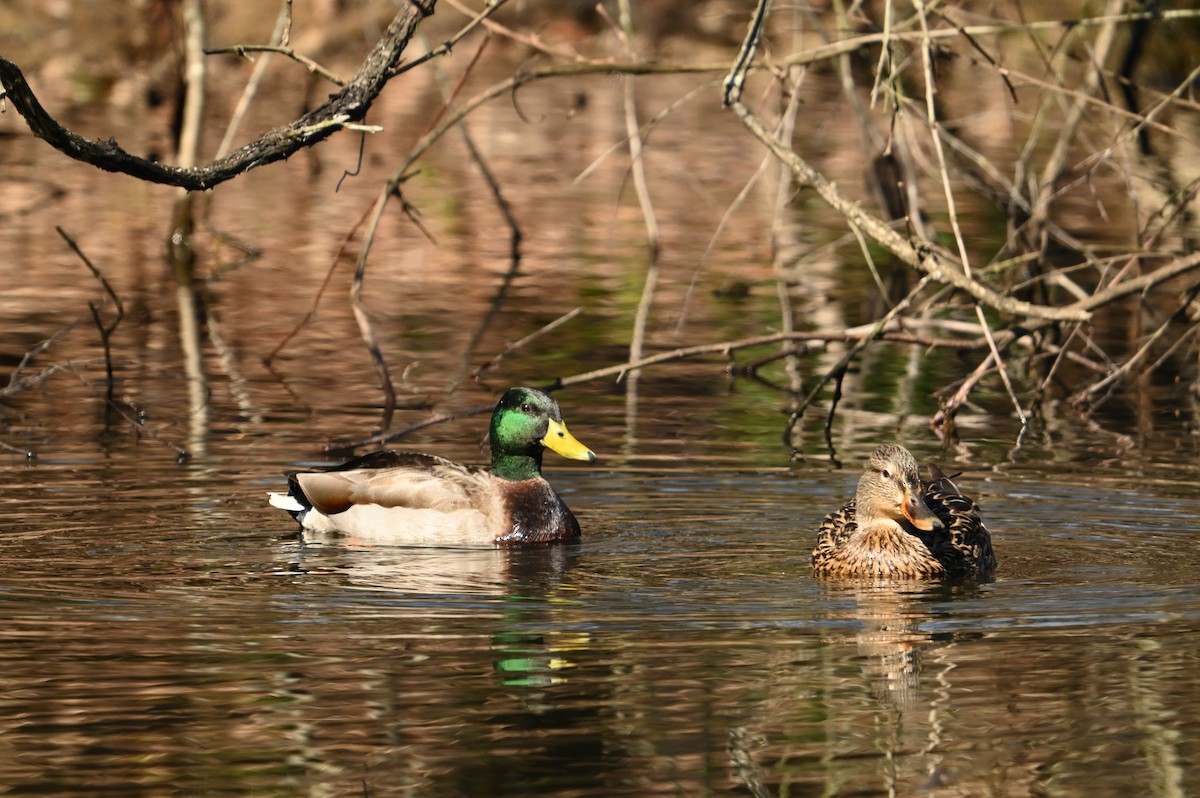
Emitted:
<point x="179" y="639"/>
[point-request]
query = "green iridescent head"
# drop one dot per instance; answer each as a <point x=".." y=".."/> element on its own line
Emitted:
<point x="527" y="421"/>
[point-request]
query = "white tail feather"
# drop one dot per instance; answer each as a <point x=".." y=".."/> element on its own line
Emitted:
<point x="285" y="502"/>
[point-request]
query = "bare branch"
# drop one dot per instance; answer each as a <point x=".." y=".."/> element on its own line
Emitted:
<point x="1138" y="284"/>
<point x="726" y="347"/>
<point x="921" y="257"/>
<point x="382" y="438"/>
<point x="492" y="362"/>
<point x="348" y="106"/>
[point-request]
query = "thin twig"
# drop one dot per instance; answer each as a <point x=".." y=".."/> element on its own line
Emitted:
<point x="282" y="27"/>
<point x="395" y="435"/>
<point x="725" y="347"/>
<point x="942" y="422"/>
<point x="309" y="64"/>
<point x="789" y="352"/>
<point x="1170" y="350"/>
<point x="447" y="46"/>
<point x="840" y="367"/>
<point x="1081" y="397"/>
<point x="29" y="454"/>
<point x="1057" y="90"/>
<point x="951" y="205"/>
<point x="1061" y="357"/>
<point x="13" y="385"/>
<point x="644" y="130"/>
<point x="492" y="362"/>
<point x="105" y="331"/>
<point x="533" y="42"/>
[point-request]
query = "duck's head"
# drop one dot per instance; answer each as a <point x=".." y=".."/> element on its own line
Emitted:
<point x="890" y="490"/>
<point x="527" y="421"/>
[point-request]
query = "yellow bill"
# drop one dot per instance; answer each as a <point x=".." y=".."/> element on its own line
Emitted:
<point x="558" y="440"/>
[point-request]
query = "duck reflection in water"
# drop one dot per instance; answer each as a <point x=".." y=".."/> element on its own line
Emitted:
<point x="871" y="710"/>
<point x="899" y="526"/>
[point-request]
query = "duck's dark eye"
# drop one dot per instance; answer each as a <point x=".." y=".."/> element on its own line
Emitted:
<point x="526" y="407"/>
<point x="886" y="474"/>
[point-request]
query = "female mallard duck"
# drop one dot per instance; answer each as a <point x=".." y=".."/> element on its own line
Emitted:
<point x="422" y="500"/>
<point x="898" y="527"/>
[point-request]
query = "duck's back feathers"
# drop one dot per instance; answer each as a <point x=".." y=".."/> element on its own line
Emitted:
<point x="390" y="480"/>
<point x="423" y="500"/>
<point x="968" y="543"/>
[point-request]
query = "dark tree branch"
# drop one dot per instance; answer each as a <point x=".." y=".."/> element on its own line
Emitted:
<point x="347" y="107"/>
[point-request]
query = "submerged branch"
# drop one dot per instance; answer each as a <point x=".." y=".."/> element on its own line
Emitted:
<point x="17" y="383"/>
<point x="838" y="371"/>
<point x="106" y="331"/>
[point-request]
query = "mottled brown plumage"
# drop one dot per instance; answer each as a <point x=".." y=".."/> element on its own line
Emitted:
<point x="416" y="499"/>
<point x="900" y="527"/>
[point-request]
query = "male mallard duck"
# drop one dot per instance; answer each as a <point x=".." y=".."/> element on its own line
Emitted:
<point x="898" y="527"/>
<point x="418" y="499"/>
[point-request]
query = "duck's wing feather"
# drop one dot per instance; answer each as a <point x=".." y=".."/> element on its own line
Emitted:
<point x="394" y="480"/>
<point x="969" y="538"/>
<point x="835" y="530"/>
<point x="935" y="480"/>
